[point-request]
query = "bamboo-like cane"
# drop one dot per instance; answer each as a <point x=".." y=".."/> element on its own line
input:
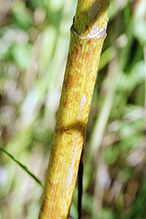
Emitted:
<point x="87" y="36"/>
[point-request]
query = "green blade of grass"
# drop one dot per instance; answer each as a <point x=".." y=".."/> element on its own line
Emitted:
<point x="22" y="166"/>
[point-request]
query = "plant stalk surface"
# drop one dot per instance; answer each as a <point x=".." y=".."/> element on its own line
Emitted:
<point x="87" y="36"/>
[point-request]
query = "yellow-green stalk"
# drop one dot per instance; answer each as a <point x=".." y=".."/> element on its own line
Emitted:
<point x="87" y="36"/>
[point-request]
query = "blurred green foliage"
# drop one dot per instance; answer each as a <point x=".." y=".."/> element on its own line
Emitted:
<point x="34" y="38"/>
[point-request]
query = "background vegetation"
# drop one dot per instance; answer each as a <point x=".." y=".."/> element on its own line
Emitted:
<point x="34" y="38"/>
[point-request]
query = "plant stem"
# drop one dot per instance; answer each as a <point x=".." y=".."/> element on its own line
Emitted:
<point x="87" y="36"/>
